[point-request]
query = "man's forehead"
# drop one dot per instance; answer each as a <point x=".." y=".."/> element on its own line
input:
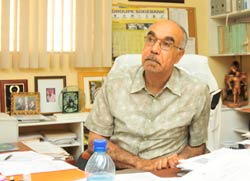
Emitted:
<point x="167" y="37"/>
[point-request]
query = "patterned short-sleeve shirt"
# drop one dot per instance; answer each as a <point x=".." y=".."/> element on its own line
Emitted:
<point x="151" y="126"/>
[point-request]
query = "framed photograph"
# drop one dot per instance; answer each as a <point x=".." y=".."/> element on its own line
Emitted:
<point x="49" y="88"/>
<point x="89" y="83"/>
<point x="25" y="103"/>
<point x="70" y="102"/>
<point x="7" y="87"/>
<point x="164" y="1"/>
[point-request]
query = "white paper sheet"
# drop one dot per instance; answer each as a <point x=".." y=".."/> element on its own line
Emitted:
<point x="223" y="165"/>
<point x="47" y="148"/>
<point x="30" y="162"/>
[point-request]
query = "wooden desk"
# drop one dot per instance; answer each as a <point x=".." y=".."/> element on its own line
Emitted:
<point x="22" y="147"/>
<point x="171" y="172"/>
<point x="74" y="174"/>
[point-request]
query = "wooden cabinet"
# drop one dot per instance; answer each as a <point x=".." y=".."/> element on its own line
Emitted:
<point x="74" y="125"/>
<point x="231" y="18"/>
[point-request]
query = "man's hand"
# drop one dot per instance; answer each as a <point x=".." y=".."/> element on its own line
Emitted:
<point x="159" y="163"/>
<point x="152" y="165"/>
<point x="173" y="160"/>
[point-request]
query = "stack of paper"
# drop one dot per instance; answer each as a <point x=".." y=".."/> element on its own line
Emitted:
<point x="48" y="149"/>
<point x="70" y="116"/>
<point x="30" y="137"/>
<point x="245" y="143"/>
<point x="31" y="118"/>
<point x="220" y="165"/>
<point x="246" y="135"/>
<point x="60" y="137"/>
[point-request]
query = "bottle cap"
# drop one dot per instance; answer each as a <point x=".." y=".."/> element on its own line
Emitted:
<point x="100" y="145"/>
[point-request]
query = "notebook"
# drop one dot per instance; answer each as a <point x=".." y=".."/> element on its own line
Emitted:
<point x="4" y="147"/>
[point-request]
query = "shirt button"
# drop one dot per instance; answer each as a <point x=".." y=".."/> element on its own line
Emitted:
<point x="145" y="139"/>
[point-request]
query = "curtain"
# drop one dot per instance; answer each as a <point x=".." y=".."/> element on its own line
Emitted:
<point x="5" y="53"/>
<point x="91" y="35"/>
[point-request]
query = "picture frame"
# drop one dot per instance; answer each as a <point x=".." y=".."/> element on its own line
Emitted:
<point x="70" y="102"/>
<point x="25" y="103"/>
<point x="89" y="83"/>
<point x="6" y="88"/>
<point x="49" y="88"/>
<point x="164" y="1"/>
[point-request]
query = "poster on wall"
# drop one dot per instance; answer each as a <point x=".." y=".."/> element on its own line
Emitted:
<point x="130" y="25"/>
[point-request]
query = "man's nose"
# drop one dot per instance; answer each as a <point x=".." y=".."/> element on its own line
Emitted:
<point x="156" y="48"/>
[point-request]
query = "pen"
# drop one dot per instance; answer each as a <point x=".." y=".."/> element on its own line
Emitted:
<point x="8" y="157"/>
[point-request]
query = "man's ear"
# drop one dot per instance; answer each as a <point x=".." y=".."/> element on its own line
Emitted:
<point x="179" y="55"/>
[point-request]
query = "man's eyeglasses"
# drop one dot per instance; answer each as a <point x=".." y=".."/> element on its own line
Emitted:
<point x="164" y="44"/>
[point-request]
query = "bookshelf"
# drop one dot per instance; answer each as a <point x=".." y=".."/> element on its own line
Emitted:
<point x="75" y="125"/>
<point x="225" y="19"/>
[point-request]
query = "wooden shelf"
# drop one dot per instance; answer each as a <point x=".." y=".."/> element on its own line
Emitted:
<point x="235" y="14"/>
<point x="50" y="122"/>
<point x="230" y="55"/>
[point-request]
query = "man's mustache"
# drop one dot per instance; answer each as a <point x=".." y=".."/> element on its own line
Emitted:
<point x="152" y="58"/>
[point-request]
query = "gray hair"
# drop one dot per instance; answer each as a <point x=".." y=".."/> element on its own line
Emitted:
<point x="185" y="37"/>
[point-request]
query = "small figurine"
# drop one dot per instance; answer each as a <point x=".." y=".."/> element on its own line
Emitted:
<point x="235" y="93"/>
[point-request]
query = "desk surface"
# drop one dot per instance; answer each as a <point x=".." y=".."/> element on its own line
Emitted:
<point x="22" y="147"/>
<point x="172" y="172"/>
<point x="74" y="174"/>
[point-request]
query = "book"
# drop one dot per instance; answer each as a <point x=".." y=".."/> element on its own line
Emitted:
<point x="5" y="147"/>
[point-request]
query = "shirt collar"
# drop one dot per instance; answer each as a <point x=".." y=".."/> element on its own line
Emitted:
<point x="138" y="82"/>
<point x="173" y="84"/>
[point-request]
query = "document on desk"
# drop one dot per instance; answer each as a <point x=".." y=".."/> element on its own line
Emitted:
<point x="30" y="162"/>
<point x="47" y="148"/>
<point x="222" y="165"/>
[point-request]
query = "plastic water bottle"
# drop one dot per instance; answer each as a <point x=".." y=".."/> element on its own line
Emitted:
<point x="100" y="166"/>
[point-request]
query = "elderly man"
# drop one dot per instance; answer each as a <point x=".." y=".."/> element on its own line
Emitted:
<point x="152" y="114"/>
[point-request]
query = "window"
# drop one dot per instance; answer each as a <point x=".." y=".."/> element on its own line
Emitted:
<point x="35" y="32"/>
<point x="60" y="25"/>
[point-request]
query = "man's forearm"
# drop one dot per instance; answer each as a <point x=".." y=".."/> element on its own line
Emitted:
<point x="125" y="159"/>
<point x="189" y="151"/>
<point x="122" y="158"/>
